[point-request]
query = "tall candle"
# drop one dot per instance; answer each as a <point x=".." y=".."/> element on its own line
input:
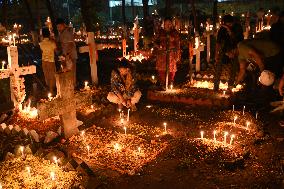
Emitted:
<point x="214" y="135"/>
<point x="235" y="118"/>
<point x="55" y="160"/>
<point x="14" y="40"/>
<point x="22" y="151"/>
<point x="29" y="171"/>
<point x="256" y="114"/>
<point x="248" y="123"/>
<point x="244" y="110"/>
<point x="88" y="149"/>
<point x="125" y="130"/>
<point x="225" y="137"/>
<point x="128" y="112"/>
<point x="3" y="64"/>
<point x="139" y="150"/>
<point x="232" y="137"/>
<point x="233" y="108"/>
<point x="165" y="126"/>
<point x="52" y="175"/>
<point x="202" y="133"/>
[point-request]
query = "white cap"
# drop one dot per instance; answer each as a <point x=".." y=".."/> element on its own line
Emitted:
<point x="266" y="78"/>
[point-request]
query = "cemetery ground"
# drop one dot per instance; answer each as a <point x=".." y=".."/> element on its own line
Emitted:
<point x="145" y="153"/>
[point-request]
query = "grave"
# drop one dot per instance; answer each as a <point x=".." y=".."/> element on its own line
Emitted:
<point x="65" y="104"/>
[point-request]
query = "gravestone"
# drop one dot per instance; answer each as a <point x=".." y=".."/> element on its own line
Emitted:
<point x="15" y="72"/>
<point x="93" y="54"/>
<point x="65" y="104"/>
<point x="199" y="47"/>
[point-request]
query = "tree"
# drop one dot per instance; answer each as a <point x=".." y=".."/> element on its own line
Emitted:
<point x="85" y="11"/>
<point x="31" y="20"/>
<point x="4" y="13"/>
<point x="196" y="26"/>
<point x="123" y="12"/>
<point x="215" y="13"/>
<point x="52" y="16"/>
<point x="145" y="8"/>
<point x="168" y="7"/>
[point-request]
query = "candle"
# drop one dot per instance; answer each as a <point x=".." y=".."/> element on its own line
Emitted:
<point x="214" y="135"/>
<point x="55" y="160"/>
<point x="248" y="123"/>
<point x="124" y="130"/>
<point x="202" y="132"/>
<point x="10" y="40"/>
<point x="22" y="151"/>
<point x="116" y="146"/>
<point x="128" y="112"/>
<point x="1" y="186"/>
<point x="233" y="108"/>
<point x="52" y="175"/>
<point x="148" y="106"/>
<point x="3" y="64"/>
<point x="119" y="110"/>
<point x="121" y="120"/>
<point x="139" y="150"/>
<point x="256" y="114"/>
<point x="244" y="110"/>
<point x="86" y="85"/>
<point x="235" y="118"/>
<point x="165" y="126"/>
<point x="225" y="137"/>
<point x="153" y="77"/>
<point x="88" y="149"/>
<point x="171" y="86"/>
<point x="49" y="96"/>
<point x="232" y="137"/>
<point x="224" y="93"/>
<point x="28" y="170"/>
<point x="14" y="40"/>
<point x="92" y="106"/>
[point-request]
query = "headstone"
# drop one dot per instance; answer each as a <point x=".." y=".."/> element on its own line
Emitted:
<point x="13" y="71"/>
<point x="65" y="104"/>
<point x="93" y="54"/>
<point x="199" y="47"/>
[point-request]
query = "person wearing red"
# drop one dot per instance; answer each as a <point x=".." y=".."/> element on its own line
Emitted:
<point x="167" y="41"/>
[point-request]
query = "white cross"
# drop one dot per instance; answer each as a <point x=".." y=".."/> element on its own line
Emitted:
<point x="14" y="72"/>
<point x="196" y="51"/>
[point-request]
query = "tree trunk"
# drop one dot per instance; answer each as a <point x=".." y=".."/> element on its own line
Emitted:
<point x="31" y="18"/>
<point x="196" y="26"/>
<point x="52" y="16"/>
<point x="38" y="17"/>
<point x="123" y="18"/>
<point x="145" y="8"/>
<point x="85" y="11"/>
<point x="168" y="7"/>
<point x="133" y="9"/>
<point x="215" y="13"/>
<point x="4" y="13"/>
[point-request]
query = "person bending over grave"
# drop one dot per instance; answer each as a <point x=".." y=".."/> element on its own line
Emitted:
<point x="123" y="87"/>
<point x="48" y="48"/>
<point x="167" y="45"/>
<point x="258" y="56"/>
<point x="67" y="47"/>
<point x="229" y="35"/>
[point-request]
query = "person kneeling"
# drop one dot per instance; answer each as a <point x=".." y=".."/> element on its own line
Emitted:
<point x="123" y="89"/>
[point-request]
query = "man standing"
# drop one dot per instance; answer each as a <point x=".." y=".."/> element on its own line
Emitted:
<point x="67" y="46"/>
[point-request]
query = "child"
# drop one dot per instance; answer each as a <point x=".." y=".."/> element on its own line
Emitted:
<point x="48" y="48"/>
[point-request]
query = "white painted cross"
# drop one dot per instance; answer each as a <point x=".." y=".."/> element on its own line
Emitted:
<point x="136" y="34"/>
<point x="13" y="71"/>
<point x="65" y="104"/>
<point x="208" y="34"/>
<point x="199" y="47"/>
<point x="93" y="54"/>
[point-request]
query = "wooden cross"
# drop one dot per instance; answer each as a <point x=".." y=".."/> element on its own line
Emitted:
<point x="196" y="51"/>
<point x="93" y="54"/>
<point x="65" y="104"/>
<point x="136" y="34"/>
<point x="14" y="72"/>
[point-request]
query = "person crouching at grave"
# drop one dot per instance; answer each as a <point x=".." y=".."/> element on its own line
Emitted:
<point x="229" y="35"/>
<point x="123" y="87"/>
<point x="48" y="48"/>
<point x="167" y="45"/>
<point x="68" y="47"/>
<point x="258" y="57"/>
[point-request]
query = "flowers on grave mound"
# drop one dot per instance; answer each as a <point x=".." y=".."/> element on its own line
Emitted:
<point x="121" y="152"/>
<point x="35" y="172"/>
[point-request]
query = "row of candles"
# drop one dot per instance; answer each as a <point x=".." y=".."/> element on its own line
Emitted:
<point x="215" y="133"/>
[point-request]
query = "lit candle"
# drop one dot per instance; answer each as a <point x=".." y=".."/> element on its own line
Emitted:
<point x="148" y="106"/>
<point x="49" y="96"/>
<point x="55" y="160"/>
<point x="224" y="93"/>
<point x="235" y="118"/>
<point x="153" y="77"/>
<point x="128" y="112"/>
<point x="14" y="40"/>
<point x="83" y="135"/>
<point x="171" y="86"/>
<point x="225" y="137"/>
<point x="121" y="120"/>
<point x="256" y="114"/>
<point x="92" y="106"/>
<point x="29" y="171"/>
<point x="202" y="133"/>
<point x="86" y="85"/>
<point x="22" y="151"/>
<point x="124" y="130"/>
<point x="116" y="146"/>
<point x="214" y="135"/>
<point x="3" y="64"/>
<point x="139" y="150"/>
<point x="233" y="108"/>
<point x="248" y="123"/>
<point x="244" y="110"/>
<point x="88" y="149"/>
<point x="1" y="186"/>
<point x="10" y="40"/>
<point x="232" y="137"/>
<point x="165" y="126"/>
<point x="119" y="110"/>
<point x="52" y="175"/>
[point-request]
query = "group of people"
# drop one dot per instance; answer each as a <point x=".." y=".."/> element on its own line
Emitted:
<point x="253" y="60"/>
<point x="63" y="47"/>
